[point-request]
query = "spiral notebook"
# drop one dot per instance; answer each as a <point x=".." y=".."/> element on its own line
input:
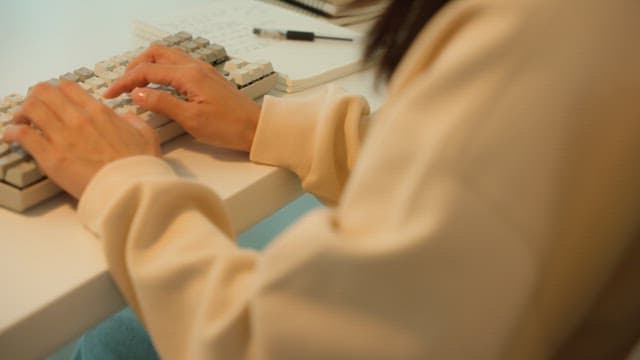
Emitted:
<point x="300" y="64"/>
<point x="339" y="8"/>
<point x="337" y="20"/>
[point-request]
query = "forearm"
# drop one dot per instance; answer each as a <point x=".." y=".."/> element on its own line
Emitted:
<point x="169" y="247"/>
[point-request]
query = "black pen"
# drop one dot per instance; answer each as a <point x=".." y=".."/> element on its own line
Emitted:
<point x="295" y="35"/>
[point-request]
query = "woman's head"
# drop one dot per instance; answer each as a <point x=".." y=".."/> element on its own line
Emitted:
<point x="396" y="29"/>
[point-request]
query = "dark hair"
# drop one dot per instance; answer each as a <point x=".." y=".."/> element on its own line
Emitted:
<point x="396" y="29"/>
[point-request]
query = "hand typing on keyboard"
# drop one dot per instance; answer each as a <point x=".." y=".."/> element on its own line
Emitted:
<point x="215" y="111"/>
<point x="73" y="125"/>
<point x="75" y="135"/>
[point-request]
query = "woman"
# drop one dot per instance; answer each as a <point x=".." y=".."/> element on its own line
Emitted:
<point x="490" y="211"/>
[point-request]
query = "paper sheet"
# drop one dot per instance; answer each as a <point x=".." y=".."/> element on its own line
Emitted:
<point x="301" y="64"/>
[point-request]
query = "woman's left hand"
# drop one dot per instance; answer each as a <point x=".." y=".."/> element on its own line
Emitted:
<point x="71" y="135"/>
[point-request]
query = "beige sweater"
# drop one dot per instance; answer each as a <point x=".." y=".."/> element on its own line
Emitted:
<point x="491" y="212"/>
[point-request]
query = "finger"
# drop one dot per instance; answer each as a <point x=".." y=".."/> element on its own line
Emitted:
<point x="36" y="112"/>
<point x="99" y="113"/>
<point x="77" y="94"/>
<point x="144" y="74"/>
<point x="160" y="102"/>
<point x="30" y="139"/>
<point x="161" y="55"/>
<point x="52" y="96"/>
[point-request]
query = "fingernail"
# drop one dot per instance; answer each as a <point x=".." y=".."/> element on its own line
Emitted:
<point x="107" y="93"/>
<point x="139" y="94"/>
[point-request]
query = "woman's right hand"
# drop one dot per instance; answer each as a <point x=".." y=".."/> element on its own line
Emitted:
<point x="214" y="112"/>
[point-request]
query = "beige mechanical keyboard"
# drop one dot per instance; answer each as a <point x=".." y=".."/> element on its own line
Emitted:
<point x="22" y="183"/>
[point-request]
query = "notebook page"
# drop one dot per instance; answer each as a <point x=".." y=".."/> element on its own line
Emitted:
<point x="301" y="64"/>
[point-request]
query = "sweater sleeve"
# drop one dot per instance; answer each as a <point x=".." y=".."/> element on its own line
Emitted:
<point x="334" y="295"/>
<point x="318" y="138"/>
<point x="169" y="247"/>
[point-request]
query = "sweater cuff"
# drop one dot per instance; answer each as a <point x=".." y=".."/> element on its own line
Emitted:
<point x="104" y="188"/>
<point x="284" y="136"/>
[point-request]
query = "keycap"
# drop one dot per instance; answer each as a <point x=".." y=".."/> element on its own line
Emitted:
<point x="83" y="73"/>
<point x="104" y="66"/>
<point x="241" y="76"/>
<point x="190" y="46"/>
<point x="14" y="99"/>
<point x="119" y="60"/>
<point x="219" y="51"/>
<point x="97" y="93"/>
<point x="70" y="77"/>
<point x="95" y="82"/>
<point x="233" y="65"/>
<point x="265" y="65"/>
<point x="10" y="159"/>
<point x="255" y="71"/>
<point x="183" y="36"/>
<point x="202" y="42"/>
<point x="4" y="148"/>
<point x="119" y="71"/>
<point x="23" y="174"/>
<point x="206" y="55"/>
<point x="5" y="118"/>
<point x="85" y="86"/>
<point x="171" y="40"/>
<point x="109" y="76"/>
<point x="129" y="55"/>
<point x="4" y="106"/>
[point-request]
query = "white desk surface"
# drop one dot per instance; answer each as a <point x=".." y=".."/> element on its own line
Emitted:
<point x="53" y="275"/>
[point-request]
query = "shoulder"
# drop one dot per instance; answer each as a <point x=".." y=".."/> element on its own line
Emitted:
<point x="465" y="31"/>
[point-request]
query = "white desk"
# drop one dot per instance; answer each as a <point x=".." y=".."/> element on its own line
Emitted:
<point x="53" y="275"/>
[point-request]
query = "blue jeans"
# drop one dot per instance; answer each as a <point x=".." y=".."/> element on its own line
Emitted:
<point x="120" y="337"/>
